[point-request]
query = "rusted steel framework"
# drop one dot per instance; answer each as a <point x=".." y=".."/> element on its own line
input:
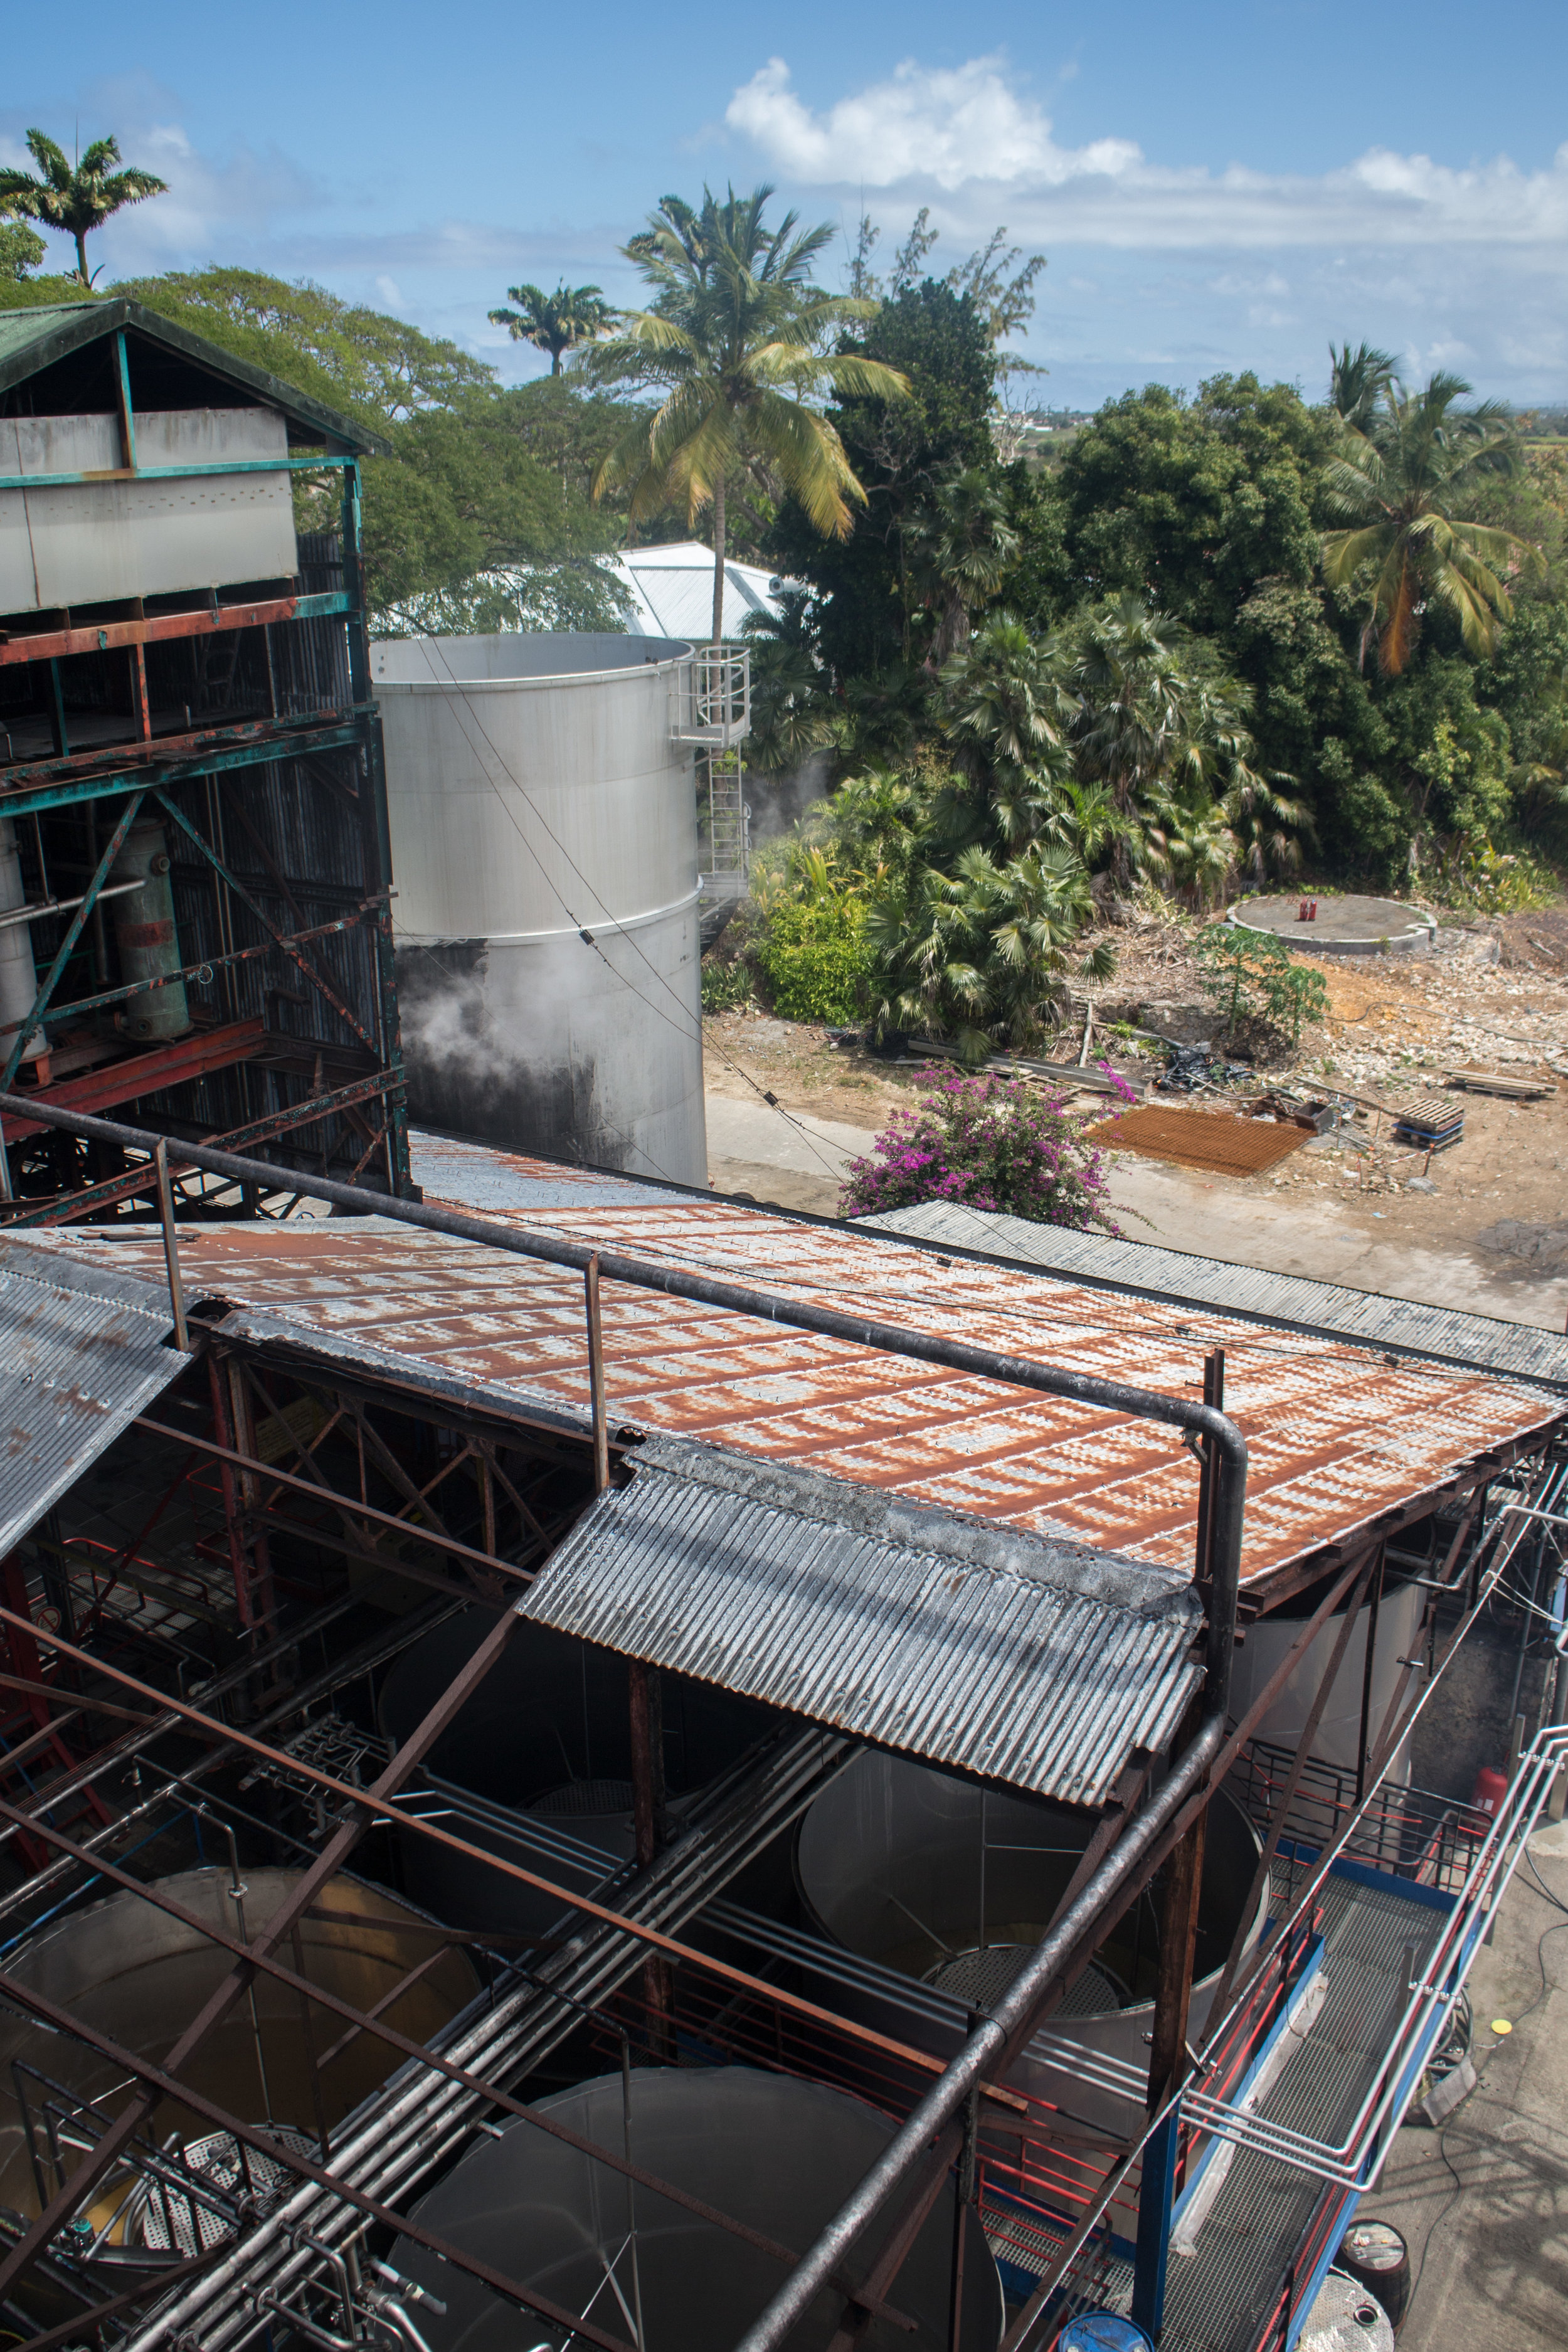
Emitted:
<point x="289" y="1478"/>
<point x="193" y="785"/>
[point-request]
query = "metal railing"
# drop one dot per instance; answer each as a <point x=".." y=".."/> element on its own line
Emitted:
<point x="710" y="697"/>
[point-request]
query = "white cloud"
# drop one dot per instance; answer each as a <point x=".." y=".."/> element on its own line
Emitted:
<point x="951" y="131"/>
<point x="949" y="126"/>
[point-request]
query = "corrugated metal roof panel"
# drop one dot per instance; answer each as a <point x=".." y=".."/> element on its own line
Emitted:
<point x="1339" y="1433"/>
<point x="1452" y="1334"/>
<point x="1041" y="1665"/>
<point x="83" y="1354"/>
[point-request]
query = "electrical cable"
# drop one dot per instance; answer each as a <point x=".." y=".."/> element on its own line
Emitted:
<point x="460" y="710"/>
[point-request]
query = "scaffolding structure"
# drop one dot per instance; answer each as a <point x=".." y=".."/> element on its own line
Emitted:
<point x="190" y="770"/>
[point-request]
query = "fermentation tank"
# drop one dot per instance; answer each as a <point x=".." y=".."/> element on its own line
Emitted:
<point x="954" y="1885"/>
<point x="547" y="1734"/>
<point x="138" y="1977"/>
<point x="543" y="820"/>
<point x="1337" y="1735"/>
<point x="776" y="2154"/>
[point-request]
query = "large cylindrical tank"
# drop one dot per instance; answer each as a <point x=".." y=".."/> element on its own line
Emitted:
<point x="954" y="1885"/>
<point x="138" y="1977"/>
<point x="1337" y="1735"/>
<point x="547" y="1733"/>
<point x="776" y="2154"/>
<point x="18" y="972"/>
<point x="536" y="790"/>
<point x="147" y="940"/>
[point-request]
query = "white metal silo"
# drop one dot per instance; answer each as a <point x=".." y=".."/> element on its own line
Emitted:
<point x="539" y="789"/>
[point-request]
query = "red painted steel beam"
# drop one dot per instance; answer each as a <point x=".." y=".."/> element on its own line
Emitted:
<point x="195" y="1057"/>
<point x="105" y="637"/>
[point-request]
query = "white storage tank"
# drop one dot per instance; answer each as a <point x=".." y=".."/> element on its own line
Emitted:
<point x="538" y="788"/>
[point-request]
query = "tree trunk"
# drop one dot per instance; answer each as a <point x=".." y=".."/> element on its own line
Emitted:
<point x="81" y="257"/>
<point x="718" y="560"/>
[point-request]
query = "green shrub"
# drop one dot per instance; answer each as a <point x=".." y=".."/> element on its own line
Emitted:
<point x="814" y="956"/>
<point x="1252" y="977"/>
<point x="726" y="985"/>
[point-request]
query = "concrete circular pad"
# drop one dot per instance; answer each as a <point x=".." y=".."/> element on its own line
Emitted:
<point x="1347" y="926"/>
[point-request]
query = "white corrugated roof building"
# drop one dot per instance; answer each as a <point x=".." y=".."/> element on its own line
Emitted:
<point x="672" y="591"/>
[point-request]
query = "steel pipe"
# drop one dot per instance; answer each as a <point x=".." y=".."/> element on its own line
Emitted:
<point x="987" y="2049"/>
<point x="889" y="1339"/>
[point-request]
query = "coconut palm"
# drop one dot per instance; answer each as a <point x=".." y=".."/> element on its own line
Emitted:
<point x="555" y="322"/>
<point x="77" y="199"/>
<point x="733" y="342"/>
<point x="1357" y="380"/>
<point x="1395" y="486"/>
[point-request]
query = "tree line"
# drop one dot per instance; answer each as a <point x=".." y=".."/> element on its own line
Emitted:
<point x="1206" y="641"/>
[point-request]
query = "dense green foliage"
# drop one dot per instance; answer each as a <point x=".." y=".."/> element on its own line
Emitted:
<point x="481" y="517"/>
<point x="1254" y="980"/>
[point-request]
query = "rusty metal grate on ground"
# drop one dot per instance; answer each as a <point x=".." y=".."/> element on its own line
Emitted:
<point x="1213" y="1140"/>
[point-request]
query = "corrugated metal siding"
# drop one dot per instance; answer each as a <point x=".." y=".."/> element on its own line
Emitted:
<point x="1039" y="1664"/>
<point x="1448" y="1333"/>
<point x="83" y="1353"/>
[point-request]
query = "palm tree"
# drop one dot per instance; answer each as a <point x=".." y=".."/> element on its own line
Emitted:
<point x="733" y="341"/>
<point x="77" y="200"/>
<point x="1395" y="485"/>
<point x="979" y="950"/>
<point x="555" y="322"/>
<point x="1357" y="380"/>
<point x="963" y="547"/>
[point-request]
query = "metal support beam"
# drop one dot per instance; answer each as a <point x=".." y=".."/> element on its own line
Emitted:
<point x="109" y="2149"/>
<point x="45" y="996"/>
<point x="1167" y="2071"/>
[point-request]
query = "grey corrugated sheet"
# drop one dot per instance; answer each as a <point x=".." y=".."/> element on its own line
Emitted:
<point x="81" y="1353"/>
<point x="1038" y="1663"/>
<point x="1321" y="1309"/>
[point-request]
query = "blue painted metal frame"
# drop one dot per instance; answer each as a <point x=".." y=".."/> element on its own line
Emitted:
<point x="174" y="473"/>
<point x="73" y="932"/>
<point x="151" y="777"/>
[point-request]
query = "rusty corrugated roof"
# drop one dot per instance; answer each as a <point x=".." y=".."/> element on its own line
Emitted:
<point x="1338" y="1433"/>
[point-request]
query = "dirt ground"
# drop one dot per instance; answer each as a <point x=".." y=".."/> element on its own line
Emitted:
<point x="1395" y="1024"/>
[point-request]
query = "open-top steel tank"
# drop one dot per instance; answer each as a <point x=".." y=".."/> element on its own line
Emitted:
<point x="774" y="2153"/>
<point x="547" y="1734"/>
<point x="544" y="814"/>
<point x="954" y="1885"/>
<point x="138" y="1977"/>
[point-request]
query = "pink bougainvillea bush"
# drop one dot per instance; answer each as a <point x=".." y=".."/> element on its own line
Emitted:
<point x="987" y="1143"/>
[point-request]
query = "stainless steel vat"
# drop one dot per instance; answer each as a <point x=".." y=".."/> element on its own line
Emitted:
<point x="140" y="1977"/>
<point x="536" y="790"/>
<point x="952" y="1885"/>
<point x="777" y="2154"/>
<point x="547" y="1733"/>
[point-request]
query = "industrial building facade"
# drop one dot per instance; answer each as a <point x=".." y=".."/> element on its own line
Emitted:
<point x="192" y="802"/>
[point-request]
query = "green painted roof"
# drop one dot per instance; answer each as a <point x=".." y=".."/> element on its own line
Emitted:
<point x="33" y="339"/>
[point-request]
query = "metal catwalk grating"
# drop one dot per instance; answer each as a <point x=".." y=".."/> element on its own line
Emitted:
<point x="1219" y="2298"/>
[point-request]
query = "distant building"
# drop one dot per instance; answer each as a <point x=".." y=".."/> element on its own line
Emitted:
<point x="672" y="591"/>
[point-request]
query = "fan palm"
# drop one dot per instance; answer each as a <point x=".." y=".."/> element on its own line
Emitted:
<point x="980" y="950"/>
<point x="555" y="322"/>
<point x="77" y="199"/>
<point x="963" y="547"/>
<point x="733" y="342"/>
<point x="1395" y="486"/>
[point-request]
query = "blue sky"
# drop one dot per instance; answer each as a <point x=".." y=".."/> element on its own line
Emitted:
<point x="1214" y="189"/>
